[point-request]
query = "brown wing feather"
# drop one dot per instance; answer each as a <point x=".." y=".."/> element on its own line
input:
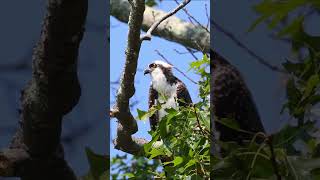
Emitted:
<point x="154" y="119"/>
<point x="183" y="94"/>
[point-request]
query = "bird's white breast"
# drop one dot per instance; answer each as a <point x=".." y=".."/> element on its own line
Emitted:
<point x="167" y="92"/>
<point x="161" y="85"/>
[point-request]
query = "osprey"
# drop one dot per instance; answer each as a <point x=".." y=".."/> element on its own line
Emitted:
<point x="165" y="89"/>
<point x="231" y="98"/>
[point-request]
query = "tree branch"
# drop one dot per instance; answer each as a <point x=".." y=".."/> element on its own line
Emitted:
<point x="194" y="19"/>
<point x="273" y="157"/>
<point x="194" y="36"/>
<point x="127" y="124"/>
<point x="171" y="29"/>
<point x="260" y="59"/>
<point x="35" y="151"/>
<point x="121" y="110"/>
<point x="156" y="24"/>
<point x="11" y="160"/>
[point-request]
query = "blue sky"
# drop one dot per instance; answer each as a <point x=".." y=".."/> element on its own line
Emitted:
<point x="118" y="38"/>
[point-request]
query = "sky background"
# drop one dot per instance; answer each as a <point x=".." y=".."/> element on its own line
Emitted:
<point x="267" y="86"/>
<point x="118" y="39"/>
<point x="86" y="125"/>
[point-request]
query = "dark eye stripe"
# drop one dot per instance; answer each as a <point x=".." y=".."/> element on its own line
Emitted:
<point x="153" y="65"/>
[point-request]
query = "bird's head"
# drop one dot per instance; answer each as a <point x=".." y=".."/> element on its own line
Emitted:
<point x="158" y="67"/>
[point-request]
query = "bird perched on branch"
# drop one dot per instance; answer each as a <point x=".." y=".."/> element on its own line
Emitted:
<point x="231" y="99"/>
<point x="165" y="89"/>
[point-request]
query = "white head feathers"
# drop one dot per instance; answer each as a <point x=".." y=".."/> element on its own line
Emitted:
<point x="164" y="64"/>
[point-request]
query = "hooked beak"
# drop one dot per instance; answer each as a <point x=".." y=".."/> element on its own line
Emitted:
<point x="146" y="71"/>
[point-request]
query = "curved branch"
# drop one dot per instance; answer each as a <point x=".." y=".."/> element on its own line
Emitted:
<point x="127" y="124"/>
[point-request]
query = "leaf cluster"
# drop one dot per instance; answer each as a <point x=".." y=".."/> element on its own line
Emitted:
<point x="293" y="151"/>
<point x="184" y="133"/>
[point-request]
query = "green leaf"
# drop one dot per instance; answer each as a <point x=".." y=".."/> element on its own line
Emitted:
<point x="155" y="152"/>
<point x="290" y="134"/>
<point x="142" y="115"/>
<point x="275" y="11"/>
<point x="177" y="160"/>
<point x="304" y="167"/>
<point x="148" y="146"/>
<point x="312" y="83"/>
<point x="128" y="175"/>
<point x="293" y="28"/>
<point x="293" y="93"/>
<point x="190" y="163"/>
<point x="99" y="164"/>
<point x="315" y="99"/>
<point x="294" y="68"/>
<point x="257" y="22"/>
<point x="231" y="123"/>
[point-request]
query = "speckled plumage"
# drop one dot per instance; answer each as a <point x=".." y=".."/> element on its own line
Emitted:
<point x="231" y="98"/>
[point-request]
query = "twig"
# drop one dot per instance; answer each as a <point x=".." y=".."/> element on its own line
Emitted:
<point x="192" y="54"/>
<point x="249" y="51"/>
<point x="198" y="122"/>
<point x="273" y="158"/>
<point x="207" y="15"/>
<point x="189" y="51"/>
<point x="194" y="19"/>
<point x="191" y="21"/>
<point x="174" y="29"/>
<point x="147" y="36"/>
<point x="174" y="66"/>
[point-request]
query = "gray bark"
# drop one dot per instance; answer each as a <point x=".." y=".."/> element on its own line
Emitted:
<point x="35" y="151"/>
<point x="172" y="29"/>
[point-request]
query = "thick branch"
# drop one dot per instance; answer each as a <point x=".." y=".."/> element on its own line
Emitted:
<point x="53" y="91"/>
<point x="179" y="31"/>
<point x="127" y="124"/>
<point x="11" y="160"/>
<point x="172" y="29"/>
<point x="147" y="36"/>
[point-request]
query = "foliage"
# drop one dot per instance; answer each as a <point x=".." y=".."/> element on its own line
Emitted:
<point x="184" y="134"/>
<point x="139" y="167"/>
<point x="99" y="166"/>
<point x="181" y="140"/>
<point x="293" y="152"/>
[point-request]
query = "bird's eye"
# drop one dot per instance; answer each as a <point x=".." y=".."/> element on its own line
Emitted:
<point x="153" y="65"/>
